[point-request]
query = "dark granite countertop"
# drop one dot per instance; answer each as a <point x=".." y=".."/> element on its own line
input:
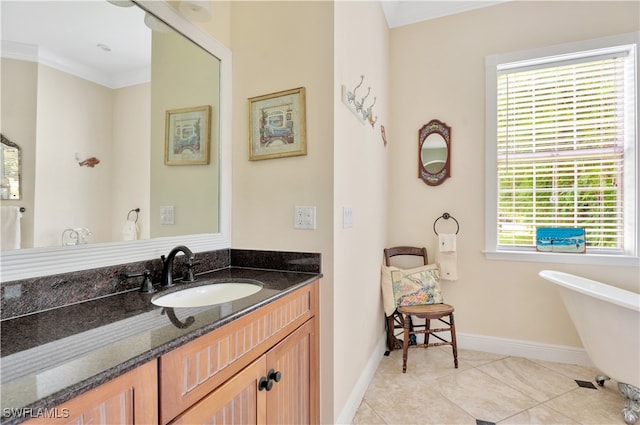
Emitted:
<point x="52" y="356"/>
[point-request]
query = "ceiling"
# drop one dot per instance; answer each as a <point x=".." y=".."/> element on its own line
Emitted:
<point x="94" y="40"/>
<point x="405" y="12"/>
<point x="110" y="45"/>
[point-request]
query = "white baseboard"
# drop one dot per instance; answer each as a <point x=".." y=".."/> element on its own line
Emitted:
<point x="528" y="349"/>
<point x="357" y="394"/>
<point x="488" y="344"/>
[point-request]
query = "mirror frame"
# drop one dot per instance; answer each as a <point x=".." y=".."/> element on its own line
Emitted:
<point x="10" y="144"/>
<point x="434" y="127"/>
<point x="35" y="262"/>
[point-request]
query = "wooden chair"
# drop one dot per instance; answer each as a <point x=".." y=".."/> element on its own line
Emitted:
<point x="429" y="312"/>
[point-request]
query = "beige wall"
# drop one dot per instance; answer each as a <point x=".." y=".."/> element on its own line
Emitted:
<point x="361" y="47"/>
<point x="75" y="116"/>
<point x="429" y="70"/>
<point x="279" y="46"/>
<point x="18" y="117"/>
<point x="437" y="71"/>
<point x="56" y="115"/>
<point x="175" y="87"/>
<point x="131" y="176"/>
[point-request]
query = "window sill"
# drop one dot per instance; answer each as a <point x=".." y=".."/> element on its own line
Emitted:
<point x="563" y="258"/>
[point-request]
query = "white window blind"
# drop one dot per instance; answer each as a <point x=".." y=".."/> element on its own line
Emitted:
<point x="561" y="133"/>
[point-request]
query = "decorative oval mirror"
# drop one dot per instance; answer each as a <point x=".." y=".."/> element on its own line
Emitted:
<point x="434" y="152"/>
<point x="9" y="169"/>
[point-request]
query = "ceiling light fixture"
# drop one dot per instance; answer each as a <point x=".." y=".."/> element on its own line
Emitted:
<point x="155" y="24"/>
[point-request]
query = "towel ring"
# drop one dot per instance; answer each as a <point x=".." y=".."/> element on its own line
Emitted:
<point x="135" y="210"/>
<point x="446" y="216"/>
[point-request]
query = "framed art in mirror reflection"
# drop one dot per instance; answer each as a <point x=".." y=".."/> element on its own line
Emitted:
<point x="187" y="136"/>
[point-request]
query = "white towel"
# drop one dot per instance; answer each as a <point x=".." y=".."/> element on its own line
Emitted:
<point x="10" y="228"/>
<point x="447" y="256"/>
<point x="447" y="242"/>
<point x="448" y="263"/>
<point x="130" y="231"/>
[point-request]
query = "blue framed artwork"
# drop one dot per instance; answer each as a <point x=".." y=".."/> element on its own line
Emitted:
<point x="561" y="239"/>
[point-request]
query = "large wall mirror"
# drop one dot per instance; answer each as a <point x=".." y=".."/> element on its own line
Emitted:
<point x="103" y="96"/>
<point x="434" y="149"/>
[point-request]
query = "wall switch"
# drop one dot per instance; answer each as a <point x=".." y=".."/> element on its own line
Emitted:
<point x="167" y="214"/>
<point x="347" y="218"/>
<point x="304" y="218"/>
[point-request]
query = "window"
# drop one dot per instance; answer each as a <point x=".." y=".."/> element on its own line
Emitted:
<point x="561" y="146"/>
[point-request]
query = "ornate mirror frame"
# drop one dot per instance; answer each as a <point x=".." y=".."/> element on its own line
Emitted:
<point x="436" y="129"/>
<point x="9" y="145"/>
<point x="46" y="261"/>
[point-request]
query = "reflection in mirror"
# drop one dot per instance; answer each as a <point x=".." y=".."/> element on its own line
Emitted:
<point x="100" y="89"/>
<point x="9" y="169"/>
<point x="213" y="235"/>
<point x="434" y="144"/>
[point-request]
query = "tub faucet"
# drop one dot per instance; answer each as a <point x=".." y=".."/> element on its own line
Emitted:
<point x="167" y="267"/>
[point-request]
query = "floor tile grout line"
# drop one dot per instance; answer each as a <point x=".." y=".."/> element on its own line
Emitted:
<point x="478" y="364"/>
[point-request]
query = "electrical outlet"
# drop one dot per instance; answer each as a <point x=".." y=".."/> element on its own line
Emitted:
<point x="347" y="218"/>
<point x="304" y="217"/>
<point x="167" y="214"/>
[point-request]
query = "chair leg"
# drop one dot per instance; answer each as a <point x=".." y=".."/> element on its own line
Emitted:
<point x="427" y="326"/>
<point x="405" y="343"/>
<point x="389" y="324"/>
<point x="454" y="343"/>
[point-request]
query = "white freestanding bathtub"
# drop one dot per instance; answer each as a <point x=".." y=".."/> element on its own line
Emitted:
<point x="608" y="322"/>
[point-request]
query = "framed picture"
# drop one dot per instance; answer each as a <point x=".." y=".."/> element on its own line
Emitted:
<point x="187" y="136"/>
<point x="277" y="125"/>
<point x="561" y="239"/>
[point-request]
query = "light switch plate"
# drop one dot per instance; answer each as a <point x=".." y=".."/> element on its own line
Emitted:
<point x="347" y="217"/>
<point x="167" y="214"/>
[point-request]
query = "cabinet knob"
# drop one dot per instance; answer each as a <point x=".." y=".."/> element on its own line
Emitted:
<point x="275" y="375"/>
<point x="265" y="384"/>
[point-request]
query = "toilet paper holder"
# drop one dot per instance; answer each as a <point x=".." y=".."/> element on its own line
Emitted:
<point x="446" y="216"/>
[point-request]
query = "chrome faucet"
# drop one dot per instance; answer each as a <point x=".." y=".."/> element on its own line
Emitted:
<point x="167" y="268"/>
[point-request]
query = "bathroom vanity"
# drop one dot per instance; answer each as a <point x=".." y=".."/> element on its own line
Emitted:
<point x="121" y="359"/>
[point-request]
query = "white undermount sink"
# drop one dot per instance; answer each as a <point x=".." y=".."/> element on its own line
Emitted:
<point x="210" y="294"/>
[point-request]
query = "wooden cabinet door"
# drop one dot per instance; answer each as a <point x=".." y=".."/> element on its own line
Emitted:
<point x="294" y="399"/>
<point x="190" y="372"/>
<point x="129" y="399"/>
<point x="236" y="402"/>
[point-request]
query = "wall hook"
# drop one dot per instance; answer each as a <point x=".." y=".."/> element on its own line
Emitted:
<point x="357" y="107"/>
<point x="368" y="113"/>
<point x="351" y="96"/>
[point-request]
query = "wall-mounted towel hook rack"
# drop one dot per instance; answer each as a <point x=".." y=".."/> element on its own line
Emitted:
<point x="446" y="216"/>
<point x="22" y="209"/>
<point x="135" y="210"/>
<point x="358" y="106"/>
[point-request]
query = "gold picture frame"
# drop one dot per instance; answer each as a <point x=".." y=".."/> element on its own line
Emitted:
<point x="277" y="125"/>
<point x="187" y="136"/>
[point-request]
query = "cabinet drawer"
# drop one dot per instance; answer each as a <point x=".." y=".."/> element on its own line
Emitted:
<point x="192" y="371"/>
<point x="129" y="399"/>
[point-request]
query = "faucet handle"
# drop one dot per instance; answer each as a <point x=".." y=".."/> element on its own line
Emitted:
<point x="147" y="285"/>
<point x="189" y="275"/>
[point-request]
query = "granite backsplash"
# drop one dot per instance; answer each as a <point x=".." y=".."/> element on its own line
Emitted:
<point x="26" y="296"/>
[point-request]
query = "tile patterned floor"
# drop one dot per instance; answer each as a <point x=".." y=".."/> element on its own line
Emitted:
<point x="486" y="389"/>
